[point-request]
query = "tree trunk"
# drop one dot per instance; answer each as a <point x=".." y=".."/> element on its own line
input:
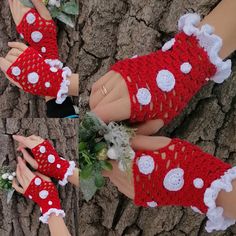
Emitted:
<point x="20" y="216"/>
<point x="111" y="30"/>
<point x="13" y="101"/>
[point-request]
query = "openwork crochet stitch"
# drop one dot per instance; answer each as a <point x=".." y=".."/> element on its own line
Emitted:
<point x="39" y="33"/>
<point x="181" y="174"/>
<point x="45" y="194"/>
<point x="51" y="164"/>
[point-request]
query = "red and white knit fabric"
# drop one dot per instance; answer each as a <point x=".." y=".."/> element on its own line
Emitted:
<point x="45" y="194"/>
<point x="39" y="33"/>
<point x="181" y="174"/>
<point x="51" y="164"/>
<point x="39" y="76"/>
<point x="162" y="83"/>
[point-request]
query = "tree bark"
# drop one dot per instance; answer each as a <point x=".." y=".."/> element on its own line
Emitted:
<point x="20" y="216"/>
<point x="13" y="101"/>
<point x="111" y="30"/>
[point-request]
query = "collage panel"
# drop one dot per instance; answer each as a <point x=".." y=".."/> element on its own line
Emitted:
<point x="39" y="73"/>
<point x="180" y="180"/>
<point x="24" y="214"/>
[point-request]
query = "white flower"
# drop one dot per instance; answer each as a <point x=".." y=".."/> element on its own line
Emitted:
<point x="10" y="177"/>
<point x="56" y="3"/>
<point x="121" y="166"/>
<point x="13" y="174"/>
<point x="5" y="176"/>
<point x="111" y="153"/>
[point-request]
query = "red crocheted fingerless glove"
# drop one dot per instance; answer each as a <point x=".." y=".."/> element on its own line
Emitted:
<point x="50" y="164"/>
<point x="41" y="34"/>
<point x="182" y="174"/>
<point x="45" y="194"/>
<point x="162" y="83"/>
<point x="40" y="77"/>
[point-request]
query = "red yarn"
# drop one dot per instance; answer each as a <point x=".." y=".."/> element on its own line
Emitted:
<point x="141" y="72"/>
<point x="47" y="46"/>
<point x="49" y="162"/>
<point x="178" y="154"/>
<point x="30" y="61"/>
<point x="47" y="199"/>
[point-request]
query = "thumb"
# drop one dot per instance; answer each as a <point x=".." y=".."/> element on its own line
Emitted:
<point x="149" y="143"/>
<point x="29" y="159"/>
<point x="42" y="9"/>
<point x="4" y="64"/>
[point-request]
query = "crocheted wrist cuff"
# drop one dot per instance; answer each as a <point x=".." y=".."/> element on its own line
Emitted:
<point x="50" y="164"/>
<point x="45" y="194"/>
<point x="40" y="77"/>
<point x="39" y="33"/>
<point x="182" y="174"/>
<point x="211" y="43"/>
<point x="162" y="83"/>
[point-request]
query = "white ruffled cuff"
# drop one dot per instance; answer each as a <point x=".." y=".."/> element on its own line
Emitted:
<point x="63" y="91"/>
<point x="216" y="219"/>
<point x="68" y="173"/>
<point x="58" y="212"/>
<point x="209" y="41"/>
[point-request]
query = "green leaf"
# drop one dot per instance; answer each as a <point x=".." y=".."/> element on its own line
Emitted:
<point x="86" y="172"/>
<point x="100" y="146"/>
<point x="106" y="165"/>
<point x="71" y="8"/>
<point x="99" y="180"/>
<point x="88" y="188"/>
<point x="82" y="146"/>
<point x="27" y="3"/>
<point x="65" y="19"/>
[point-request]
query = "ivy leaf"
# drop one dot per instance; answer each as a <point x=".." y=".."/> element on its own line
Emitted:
<point x="99" y="180"/>
<point x="106" y="165"/>
<point x="71" y="8"/>
<point x="65" y="19"/>
<point x="88" y="188"/>
<point x="86" y="172"/>
<point x="27" y="3"/>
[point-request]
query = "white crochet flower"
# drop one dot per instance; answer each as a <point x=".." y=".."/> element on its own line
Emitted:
<point x="186" y="67"/>
<point x="146" y="164"/>
<point x="144" y="96"/>
<point x="112" y="154"/>
<point x="174" y="180"/>
<point x="165" y="80"/>
<point x="152" y="204"/>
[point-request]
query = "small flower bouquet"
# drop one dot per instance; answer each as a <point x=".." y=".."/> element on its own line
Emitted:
<point x="63" y="10"/>
<point x="6" y="177"/>
<point x="98" y="143"/>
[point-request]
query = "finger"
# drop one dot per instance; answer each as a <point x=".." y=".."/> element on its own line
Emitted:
<point x="118" y="91"/>
<point x="114" y="111"/>
<point x="150" y="127"/>
<point x="10" y="2"/>
<point x="19" y="176"/>
<point x="17" y="187"/>
<point x="46" y="178"/>
<point x="29" y="158"/>
<point x="98" y="84"/>
<point x="4" y="64"/>
<point x="98" y="96"/>
<point x="24" y="141"/>
<point x="15" y="52"/>
<point x="11" y="58"/>
<point x="18" y="45"/>
<point x="42" y="10"/>
<point x="36" y="138"/>
<point x="26" y="173"/>
<point x="141" y="142"/>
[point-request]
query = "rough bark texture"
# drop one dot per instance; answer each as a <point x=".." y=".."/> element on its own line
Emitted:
<point x="20" y="216"/>
<point x="111" y="30"/>
<point x="13" y="101"/>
